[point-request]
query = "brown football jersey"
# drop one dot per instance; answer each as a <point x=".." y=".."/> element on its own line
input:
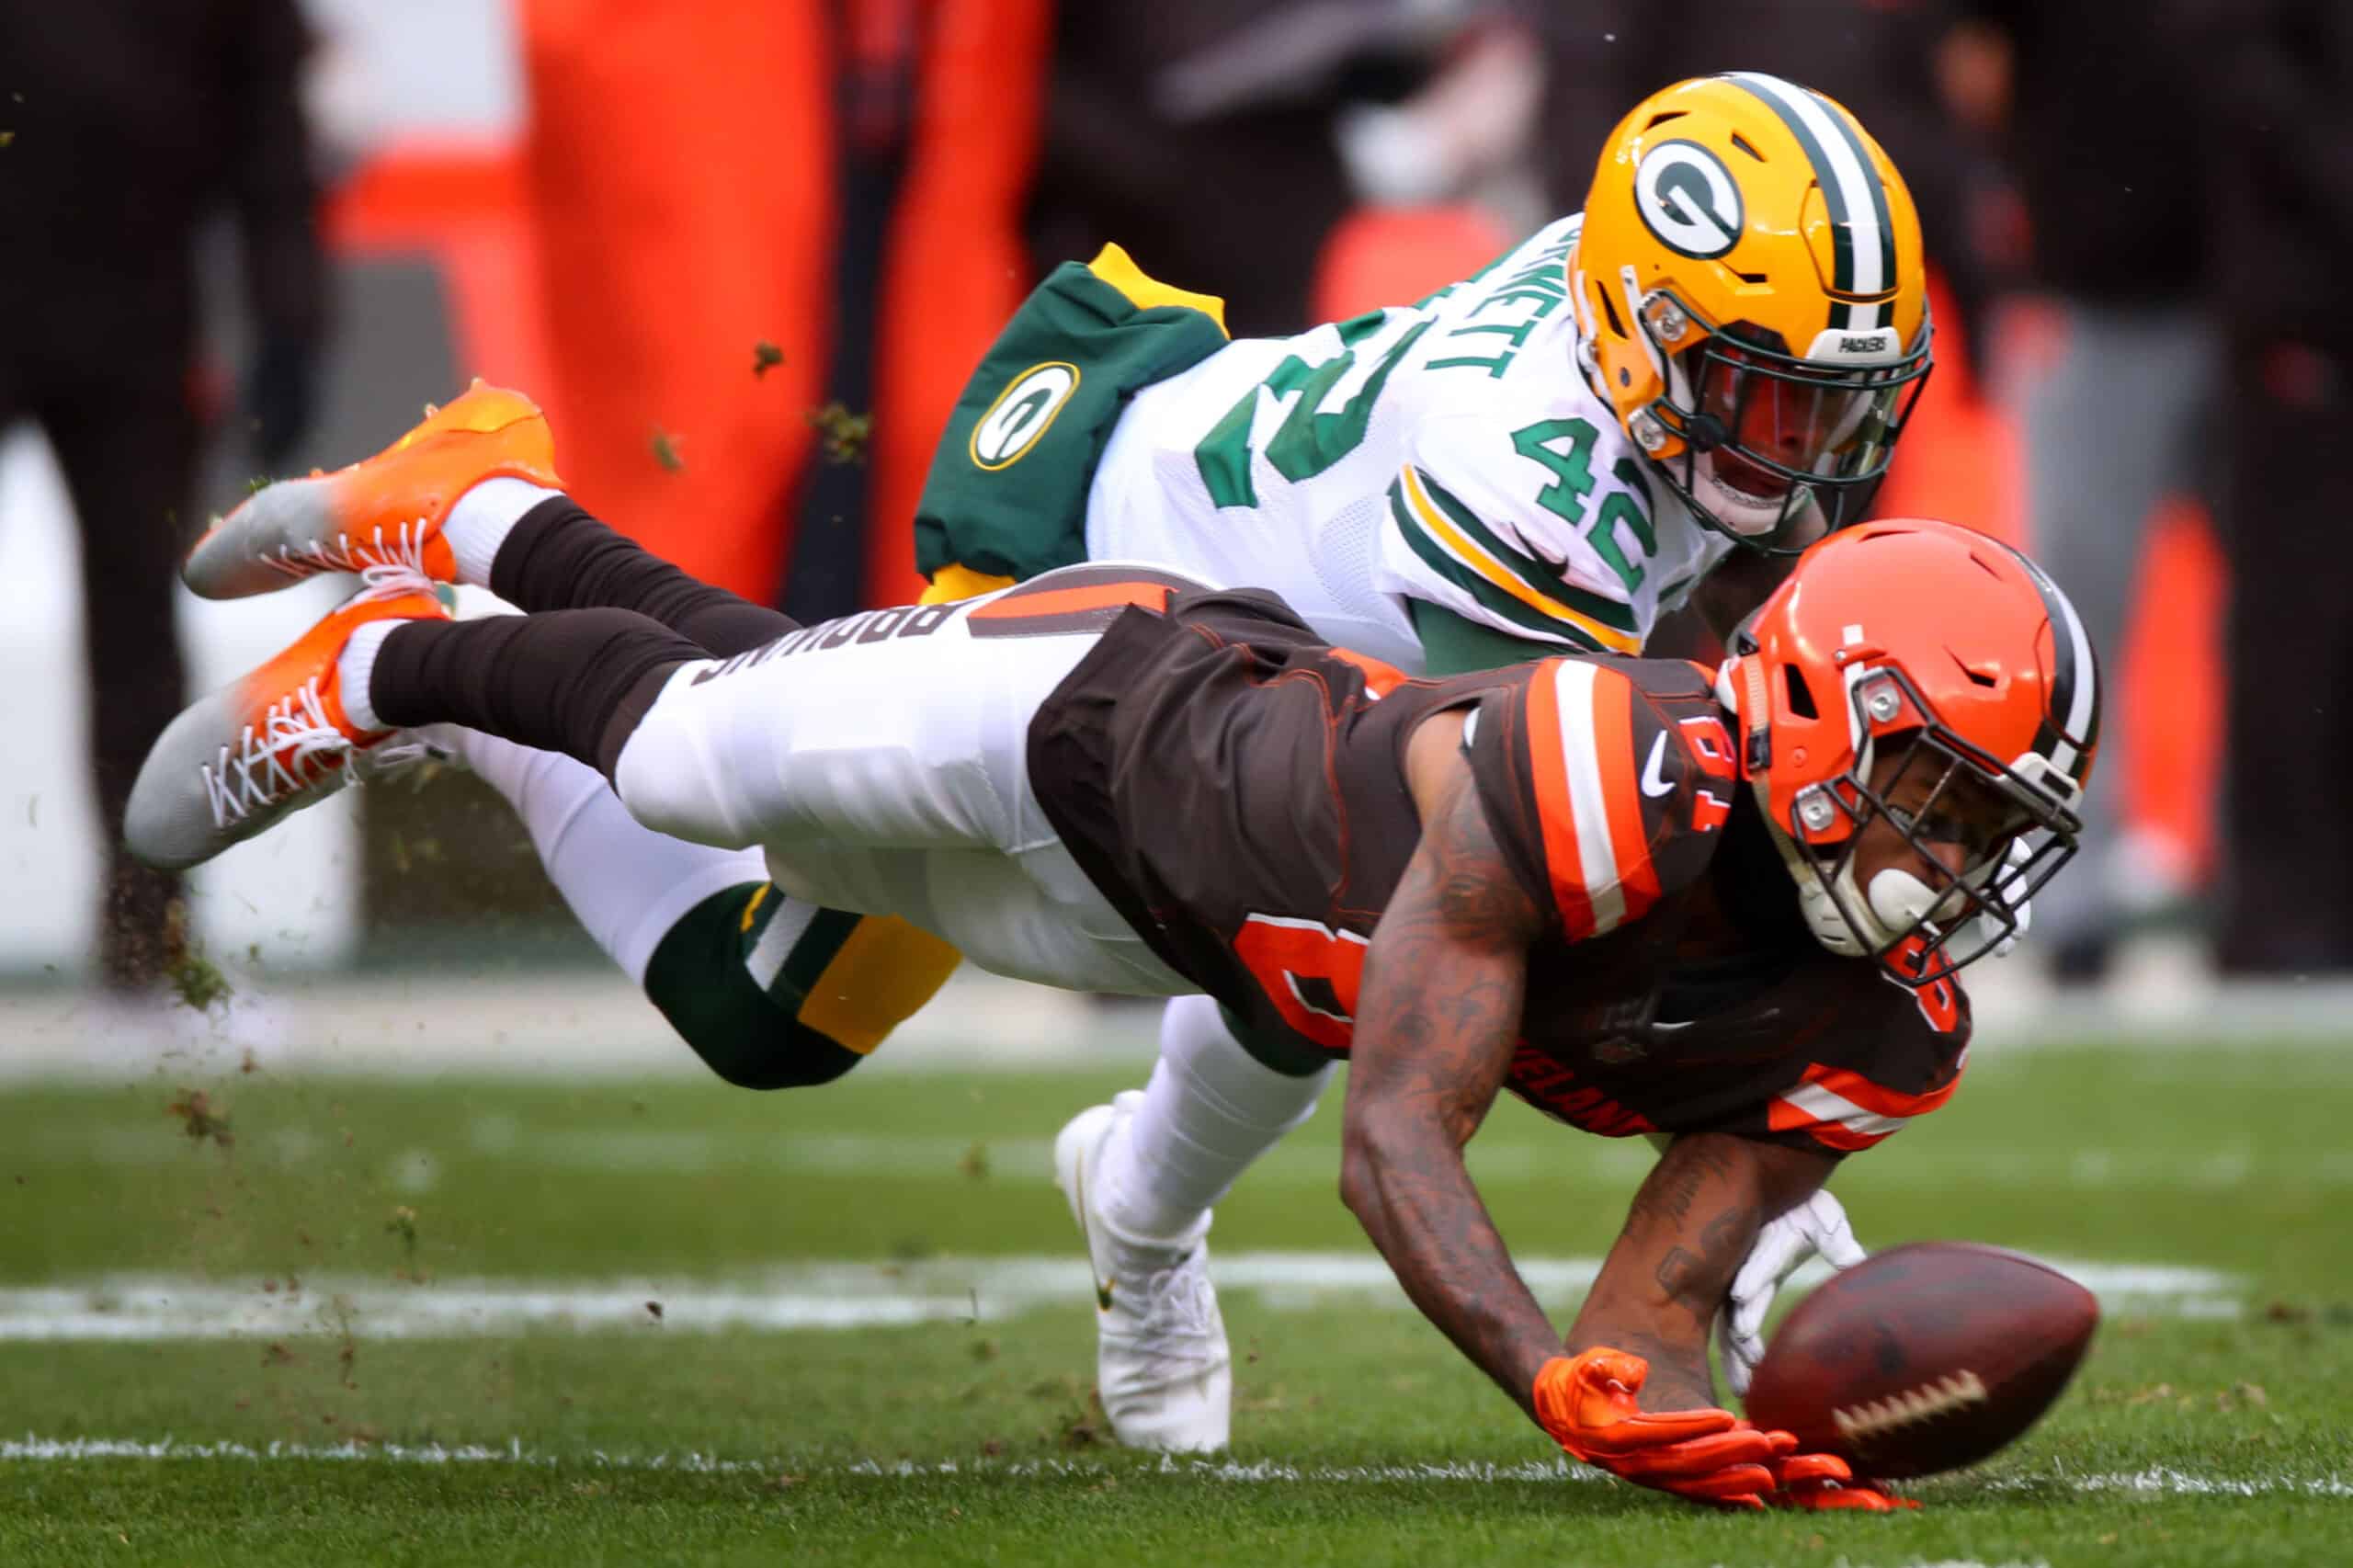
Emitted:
<point x="1237" y="788"/>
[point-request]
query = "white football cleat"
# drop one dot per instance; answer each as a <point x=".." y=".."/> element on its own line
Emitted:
<point x="1160" y="1363"/>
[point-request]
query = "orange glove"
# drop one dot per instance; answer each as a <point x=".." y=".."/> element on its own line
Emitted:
<point x="1587" y="1402"/>
<point x="1824" y="1482"/>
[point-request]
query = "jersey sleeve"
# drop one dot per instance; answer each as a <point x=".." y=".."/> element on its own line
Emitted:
<point x="1453" y="645"/>
<point x="1596" y="802"/>
<point x="1469" y="529"/>
<point x="1882" y="1057"/>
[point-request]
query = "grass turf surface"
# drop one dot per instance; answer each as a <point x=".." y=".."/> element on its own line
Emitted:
<point x="1361" y="1436"/>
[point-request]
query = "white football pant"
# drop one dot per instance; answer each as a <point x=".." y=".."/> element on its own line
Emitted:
<point x="881" y="763"/>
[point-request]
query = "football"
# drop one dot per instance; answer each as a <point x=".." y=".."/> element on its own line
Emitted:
<point x="1923" y="1357"/>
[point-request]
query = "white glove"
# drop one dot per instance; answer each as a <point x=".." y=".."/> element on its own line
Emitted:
<point x="1816" y="1226"/>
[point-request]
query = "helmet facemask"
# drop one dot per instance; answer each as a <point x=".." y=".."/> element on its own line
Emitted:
<point x="1920" y="917"/>
<point x="1758" y="432"/>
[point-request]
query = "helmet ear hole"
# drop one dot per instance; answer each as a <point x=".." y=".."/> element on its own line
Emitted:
<point x="1608" y="309"/>
<point x="1800" y="696"/>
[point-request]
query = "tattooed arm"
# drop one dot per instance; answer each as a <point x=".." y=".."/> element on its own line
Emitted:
<point x="1690" y="1224"/>
<point x="1436" y="1020"/>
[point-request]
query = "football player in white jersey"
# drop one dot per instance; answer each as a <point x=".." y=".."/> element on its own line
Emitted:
<point x="1713" y="361"/>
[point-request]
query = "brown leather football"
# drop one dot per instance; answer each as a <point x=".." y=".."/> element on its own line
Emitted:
<point x="1923" y="1357"/>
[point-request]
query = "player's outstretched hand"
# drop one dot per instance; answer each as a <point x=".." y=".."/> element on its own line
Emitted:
<point x="1823" y="1482"/>
<point x="1586" y="1402"/>
<point x="1817" y="1226"/>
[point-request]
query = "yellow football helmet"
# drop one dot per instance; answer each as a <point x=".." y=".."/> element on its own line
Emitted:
<point x="1752" y="300"/>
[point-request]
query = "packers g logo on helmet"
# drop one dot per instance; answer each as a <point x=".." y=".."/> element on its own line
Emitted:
<point x="1688" y="199"/>
<point x="1752" y="300"/>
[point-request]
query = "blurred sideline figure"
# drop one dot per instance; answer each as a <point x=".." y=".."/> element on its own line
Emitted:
<point x="1225" y="143"/>
<point x="2122" y="420"/>
<point x="2280" y="211"/>
<point x="705" y="180"/>
<point x="839" y="183"/>
<point x="936" y="127"/>
<point x="132" y="123"/>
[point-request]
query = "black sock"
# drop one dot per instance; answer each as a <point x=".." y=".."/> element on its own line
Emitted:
<point x="575" y="681"/>
<point x="558" y="557"/>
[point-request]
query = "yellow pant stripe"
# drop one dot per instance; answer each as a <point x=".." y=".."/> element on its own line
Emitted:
<point x="883" y="975"/>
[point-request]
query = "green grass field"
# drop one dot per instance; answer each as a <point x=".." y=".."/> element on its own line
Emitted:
<point x="446" y="1348"/>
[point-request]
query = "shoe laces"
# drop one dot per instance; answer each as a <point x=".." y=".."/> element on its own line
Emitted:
<point x="1179" y="1336"/>
<point x="403" y="753"/>
<point x="389" y="566"/>
<point x="1178" y="1302"/>
<point x="294" y="747"/>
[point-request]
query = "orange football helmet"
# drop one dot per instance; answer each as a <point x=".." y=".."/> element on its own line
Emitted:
<point x="1960" y="654"/>
<point x="1752" y="300"/>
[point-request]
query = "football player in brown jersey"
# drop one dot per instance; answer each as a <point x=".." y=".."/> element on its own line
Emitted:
<point x="1724" y="906"/>
<point x="1667" y="394"/>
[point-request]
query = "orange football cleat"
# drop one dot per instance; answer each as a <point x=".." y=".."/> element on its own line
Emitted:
<point x="273" y="743"/>
<point x="380" y="517"/>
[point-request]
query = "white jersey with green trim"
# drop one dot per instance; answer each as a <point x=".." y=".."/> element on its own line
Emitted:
<point x="1451" y="451"/>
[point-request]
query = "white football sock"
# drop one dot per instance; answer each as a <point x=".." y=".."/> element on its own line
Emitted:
<point x="1209" y="1110"/>
<point x="354" y="666"/>
<point x="626" y="883"/>
<point x="482" y="519"/>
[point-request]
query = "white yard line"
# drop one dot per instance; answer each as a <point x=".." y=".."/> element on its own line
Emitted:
<point x="814" y="1294"/>
<point x="2166" y="1480"/>
<point x="34" y="1449"/>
